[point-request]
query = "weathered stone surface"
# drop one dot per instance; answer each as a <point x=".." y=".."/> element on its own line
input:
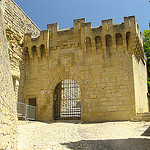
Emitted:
<point x="108" y="63"/>
<point x="17" y="23"/>
<point x="8" y="114"/>
<point x="13" y="25"/>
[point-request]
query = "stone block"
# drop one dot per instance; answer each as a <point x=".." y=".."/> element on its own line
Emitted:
<point x="125" y="107"/>
<point x="111" y="108"/>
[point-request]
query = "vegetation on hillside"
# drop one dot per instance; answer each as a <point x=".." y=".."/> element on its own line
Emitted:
<point x="146" y="41"/>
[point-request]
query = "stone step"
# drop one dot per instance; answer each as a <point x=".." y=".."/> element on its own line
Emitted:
<point x="141" y="117"/>
<point x="143" y="114"/>
<point x="146" y="119"/>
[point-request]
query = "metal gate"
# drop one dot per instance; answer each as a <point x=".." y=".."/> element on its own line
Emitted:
<point x="26" y="112"/>
<point x="67" y="100"/>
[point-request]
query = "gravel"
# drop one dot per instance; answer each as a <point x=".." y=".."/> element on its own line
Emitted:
<point x="74" y="135"/>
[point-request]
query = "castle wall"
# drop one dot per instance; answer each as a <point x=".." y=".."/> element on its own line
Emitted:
<point x="140" y="80"/>
<point x="99" y="59"/>
<point x="17" y="23"/>
<point x="105" y="90"/>
<point x="14" y="23"/>
<point x="8" y="114"/>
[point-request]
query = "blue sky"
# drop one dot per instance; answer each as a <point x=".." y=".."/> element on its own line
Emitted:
<point x="44" y="12"/>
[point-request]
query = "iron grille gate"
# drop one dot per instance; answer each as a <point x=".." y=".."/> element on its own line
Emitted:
<point x="67" y="100"/>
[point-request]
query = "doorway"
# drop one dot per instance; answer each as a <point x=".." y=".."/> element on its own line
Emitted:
<point x="67" y="100"/>
<point x="31" y="109"/>
<point x="32" y="102"/>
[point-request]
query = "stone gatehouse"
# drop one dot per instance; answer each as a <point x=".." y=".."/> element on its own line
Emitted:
<point x="84" y="72"/>
<point x="91" y="73"/>
<point x="87" y="73"/>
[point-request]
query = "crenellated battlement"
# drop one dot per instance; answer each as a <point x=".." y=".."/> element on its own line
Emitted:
<point x="91" y="40"/>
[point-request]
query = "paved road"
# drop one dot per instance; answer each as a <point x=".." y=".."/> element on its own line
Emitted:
<point x="77" y="136"/>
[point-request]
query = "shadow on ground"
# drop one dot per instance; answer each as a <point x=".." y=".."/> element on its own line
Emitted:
<point x="147" y="132"/>
<point x="117" y="144"/>
<point x="80" y="122"/>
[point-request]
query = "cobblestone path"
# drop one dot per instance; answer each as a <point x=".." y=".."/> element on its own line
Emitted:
<point x="78" y="136"/>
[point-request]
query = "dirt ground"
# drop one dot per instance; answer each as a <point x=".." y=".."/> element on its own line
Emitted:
<point x="76" y="135"/>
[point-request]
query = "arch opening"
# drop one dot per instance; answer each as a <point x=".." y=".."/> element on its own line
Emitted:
<point x="67" y="101"/>
<point x="26" y="54"/>
<point x="34" y="52"/>
<point x="88" y="45"/>
<point x="128" y="39"/>
<point x="119" y="40"/>
<point x="108" y="43"/>
<point x="42" y="50"/>
<point x="98" y="43"/>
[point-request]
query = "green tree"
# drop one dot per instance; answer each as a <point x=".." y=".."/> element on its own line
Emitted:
<point x="146" y="44"/>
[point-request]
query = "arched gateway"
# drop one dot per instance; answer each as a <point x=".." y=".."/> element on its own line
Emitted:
<point x="106" y="61"/>
<point x="67" y="100"/>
